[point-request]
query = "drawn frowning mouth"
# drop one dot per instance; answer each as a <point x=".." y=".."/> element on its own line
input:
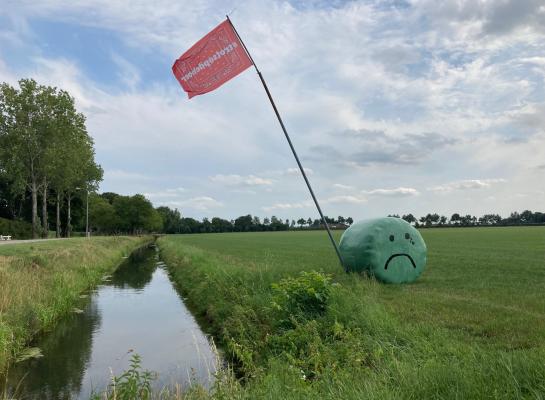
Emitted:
<point x="399" y="255"/>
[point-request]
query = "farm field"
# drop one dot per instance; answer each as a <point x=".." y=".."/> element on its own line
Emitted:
<point x="472" y="326"/>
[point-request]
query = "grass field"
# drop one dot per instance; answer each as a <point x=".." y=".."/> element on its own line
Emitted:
<point x="472" y="326"/>
<point x="41" y="281"/>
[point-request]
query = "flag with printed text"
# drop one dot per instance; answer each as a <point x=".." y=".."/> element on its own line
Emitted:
<point x="216" y="58"/>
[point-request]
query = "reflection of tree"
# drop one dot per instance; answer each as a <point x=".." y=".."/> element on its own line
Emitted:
<point x="66" y="353"/>
<point x="136" y="271"/>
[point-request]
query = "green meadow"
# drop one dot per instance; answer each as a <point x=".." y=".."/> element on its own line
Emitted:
<point x="472" y="326"/>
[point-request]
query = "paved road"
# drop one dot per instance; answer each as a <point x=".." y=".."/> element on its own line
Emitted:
<point x="26" y="241"/>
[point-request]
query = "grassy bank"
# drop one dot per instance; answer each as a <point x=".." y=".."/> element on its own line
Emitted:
<point x="41" y="281"/>
<point x="473" y="326"/>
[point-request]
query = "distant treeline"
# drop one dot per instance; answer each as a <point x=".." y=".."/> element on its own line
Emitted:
<point x="526" y="217"/>
<point x="111" y="213"/>
<point x="173" y="222"/>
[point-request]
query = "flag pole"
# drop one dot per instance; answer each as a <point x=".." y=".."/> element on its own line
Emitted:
<point x="326" y="225"/>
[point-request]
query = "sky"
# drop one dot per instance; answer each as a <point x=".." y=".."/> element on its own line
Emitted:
<point x="394" y="106"/>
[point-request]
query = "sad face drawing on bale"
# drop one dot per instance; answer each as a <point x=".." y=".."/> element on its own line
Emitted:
<point x="389" y="249"/>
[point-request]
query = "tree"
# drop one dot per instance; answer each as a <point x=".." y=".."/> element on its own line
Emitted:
<point x="455" y="218"/>
<point x="467" y="220"/>
<point x="243" y="223"/>
<point x="12" y="198"/>
<point x="221" y="225"/>
<point x="172" y="220"/>
<point x="349" y="221"/>
<point x="84" y="175"/>
<point x="44" y="146"/>
<point x="110" y="196"/>
<point x="277" y="224"/>
<point x="409" y="218"/>
<point x="137" y="214"/>
<point x="309" y="222"/>
<point x="526" y="217"/>
<point x="24" y="136"/>
<point x="71" y="166"/>
<point x="190" y="225"/>
<point x="301" y="222"/>
<point x="102" y="215"/>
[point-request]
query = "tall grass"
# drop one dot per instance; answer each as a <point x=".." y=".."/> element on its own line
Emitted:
<point x="39" y="282"/>
<point x="372" y="340"/>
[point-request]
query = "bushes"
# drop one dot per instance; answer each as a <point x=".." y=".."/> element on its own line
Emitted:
<point x="17" y="229"/>
<point x="302" y="297"/>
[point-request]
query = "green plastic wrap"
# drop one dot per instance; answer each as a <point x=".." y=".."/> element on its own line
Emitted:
<point x="389" y="249"/>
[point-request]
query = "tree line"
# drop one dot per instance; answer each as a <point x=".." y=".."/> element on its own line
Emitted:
<point x="111" y="213"/>
<point x="526" y="217"/>
<point x="175" y="223"/>
<point x="47" y="157"/>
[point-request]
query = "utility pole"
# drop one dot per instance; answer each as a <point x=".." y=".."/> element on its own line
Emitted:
<point x="87" y="233"/>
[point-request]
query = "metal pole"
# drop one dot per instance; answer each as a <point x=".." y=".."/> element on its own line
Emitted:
<point x="87" y="233"/>
<point x="291" y="146"/>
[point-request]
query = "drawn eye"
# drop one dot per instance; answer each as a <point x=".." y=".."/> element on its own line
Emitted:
<point x="407" y="236"/>
<point x="391" y="238"/>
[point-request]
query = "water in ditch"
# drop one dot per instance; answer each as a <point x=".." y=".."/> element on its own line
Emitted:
<point x="136" y="310"/>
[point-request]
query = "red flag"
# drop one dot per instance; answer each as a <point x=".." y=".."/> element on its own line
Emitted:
<point x="212" y="61"/>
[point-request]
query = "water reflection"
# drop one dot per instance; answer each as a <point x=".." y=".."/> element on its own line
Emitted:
<point x="136" y="272"/>
<point x="67" y="350"/>
<point x="136" y="309"/>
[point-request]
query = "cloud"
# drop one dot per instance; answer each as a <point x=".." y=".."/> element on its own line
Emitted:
<point x="505" y="16"/>
<point x="126" y="175"/>
<point x="201" y="203"/>
<point x="287" y="206"/>
<point x="128" y="73"/>
<point x="468" y="184"/>
<point x="531" y="116"/>
<point x="238" y="180"/>
<point x="297" y="171"/>
<point x="499" y="17"/>
<point x="165" y="194"/>
<point x="342" y="187"/>
<point x="345" y="200"/>
<point x="396" y="192"/>
<point x="370" y="147"/>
